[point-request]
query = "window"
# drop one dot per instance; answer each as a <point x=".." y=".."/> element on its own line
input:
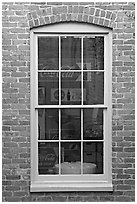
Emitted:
<point x="71" y="108"/>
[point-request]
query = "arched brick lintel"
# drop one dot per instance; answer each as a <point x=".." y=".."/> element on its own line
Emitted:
<point x="57" y="14"/>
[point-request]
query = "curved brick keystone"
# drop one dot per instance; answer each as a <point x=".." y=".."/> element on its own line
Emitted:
<point x="79" y="13"/>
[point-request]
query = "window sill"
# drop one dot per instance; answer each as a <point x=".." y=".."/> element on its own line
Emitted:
<point x="70" y="186"/>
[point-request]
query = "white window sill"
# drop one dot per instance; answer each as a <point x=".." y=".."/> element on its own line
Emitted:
<point x="70" y="186"/>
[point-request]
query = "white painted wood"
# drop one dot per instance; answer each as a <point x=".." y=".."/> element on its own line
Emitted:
<point x="71" y="106"/>
<point x="71" y="27"/>
<point x="70" y="140"/>
<point x="71" y="186"/>
<point x="50" y="71"/>
<point x="92" y="182"/>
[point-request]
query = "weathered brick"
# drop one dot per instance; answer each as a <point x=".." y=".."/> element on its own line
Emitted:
<point x="81" y="9"/>
<point x="92" y="10"/>
<point x="49" y="11"/>
<point x="13" y="177"/>
<point x="13" y="188"/>
<point x="97" y="11"/>
<point x="63" y="17"/>
<point x="124" y="187"/>
<point x="132" y="149"/>
<point x="108" y="14"/>
<point x="23" y="36"/>
<point x="75" y="9"/>
<point x="7" y="193"/>
<point x="41" y="20"/>
<point x="17" y="20"/>
<point x="121" y="198"/>
<point x="45" y="199"/>
<point x="52" y="19"/>
<point x="69" y="9"/>
<point x="18" y="74"/>
<point x="59" y="198"/>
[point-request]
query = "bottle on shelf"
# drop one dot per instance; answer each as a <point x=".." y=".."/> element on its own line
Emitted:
<point x="68" y="95"/>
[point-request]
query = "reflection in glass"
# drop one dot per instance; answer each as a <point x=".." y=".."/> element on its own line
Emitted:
<point x="94" y="85"/>
<point x="71" y="88"/>
<point x="70" y="124"/>
<point x="93" y="53"/>
<point x="48" y="157"/>
<point x="93" y="124"/>
<point x="70" y="53"/>
<point x="48" y="124"/>
<point x="48" y="53"/>
<point x="48" y="85"/>
<point x="93" y="157"/>
<point x="71" y="158"/>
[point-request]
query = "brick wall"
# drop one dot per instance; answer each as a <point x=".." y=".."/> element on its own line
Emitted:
<point x="16" y="96"/>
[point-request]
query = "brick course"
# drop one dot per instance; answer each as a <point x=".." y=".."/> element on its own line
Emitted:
<point x="18" y="18"/>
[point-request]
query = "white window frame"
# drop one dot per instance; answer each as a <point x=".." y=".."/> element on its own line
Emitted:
<point x="93" y="182"/>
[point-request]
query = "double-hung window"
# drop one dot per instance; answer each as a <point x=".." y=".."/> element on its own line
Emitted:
<point x="71" y="108"/>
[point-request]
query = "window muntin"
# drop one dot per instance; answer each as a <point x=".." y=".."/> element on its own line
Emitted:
<point x="70" y="82"/>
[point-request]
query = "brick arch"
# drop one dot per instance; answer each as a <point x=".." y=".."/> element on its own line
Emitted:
<point x="69" y="13"/>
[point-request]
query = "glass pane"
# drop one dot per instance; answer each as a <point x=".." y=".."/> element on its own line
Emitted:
<point x="48" y="85"/>
<point x="93" y="124"/>
<point x="48" y="157"/>
<point x="71" y="158"/>
<point x="93" y="53"/>
<point x="71" y="88"/>
<point x="93" y="158"/>
<point x="70" y="53"/>
<point x="48" y="124"/>
<point x="48" y="53"/>
<point x="70" y="124"/>
<point x="94" y="86"/>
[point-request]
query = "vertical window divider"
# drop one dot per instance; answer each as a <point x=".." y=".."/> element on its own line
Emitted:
<point x="82" y="95"/>
<point x="59" y="104"/>
<point x="59" y="141"/>
<point x="37" y="73"/>
<point x="36" y="102"/>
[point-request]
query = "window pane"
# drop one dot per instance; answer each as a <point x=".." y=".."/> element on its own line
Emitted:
<point x="70" y="53"/>
<point x="70" y="124"/>
<point x="48" y="53"/>
<point x="71" y="158"/>
<point x="48" y="157"/>
<point x="48" y="124"/>
<point x="93" y="52"/>
<point x="93" y="158"/>
<point x="94" y="86"/>
<point x="71" y="88"/>
<point x="48" y="85"/>
<point x="93" y="124"/>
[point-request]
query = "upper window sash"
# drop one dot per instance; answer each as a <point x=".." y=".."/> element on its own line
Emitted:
<point x="60" y="71"/>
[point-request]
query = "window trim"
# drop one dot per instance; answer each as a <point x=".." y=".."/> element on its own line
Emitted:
<point x="94" y="182"/>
